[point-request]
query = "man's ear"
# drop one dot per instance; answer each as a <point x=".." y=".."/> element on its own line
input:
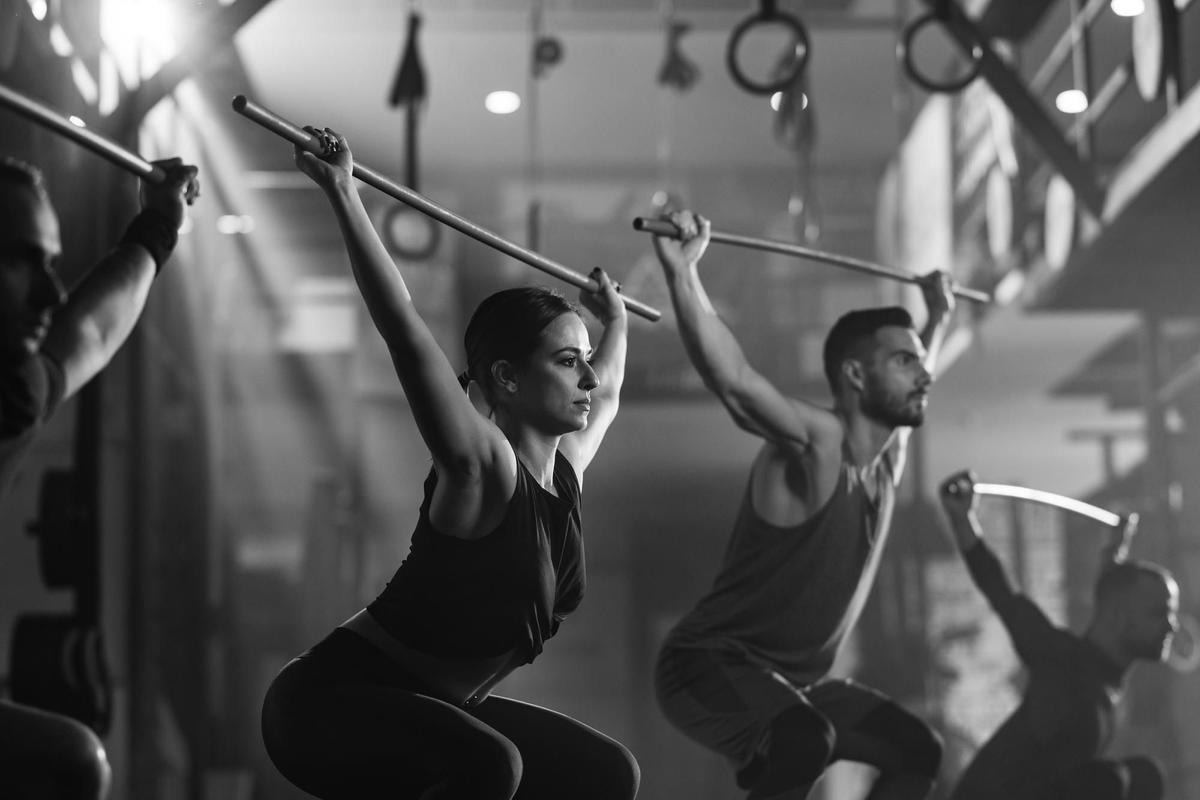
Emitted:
<point x="855" y="375"/>
<point x="505" y="376"/>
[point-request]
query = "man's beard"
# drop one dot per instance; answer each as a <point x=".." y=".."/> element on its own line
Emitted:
<point x="896" y="411"/>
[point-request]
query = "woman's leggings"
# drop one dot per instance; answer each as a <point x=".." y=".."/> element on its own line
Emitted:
<point x="343" y="721"/>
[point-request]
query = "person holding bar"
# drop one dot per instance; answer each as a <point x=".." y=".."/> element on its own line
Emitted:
<point x="52" y="342"/>
<point x="397" y="702"/>
<point x="745" y="672"/>
<point x="1051" y="747"/>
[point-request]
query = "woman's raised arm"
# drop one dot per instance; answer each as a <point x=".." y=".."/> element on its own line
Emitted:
<point x="461" y="441"/>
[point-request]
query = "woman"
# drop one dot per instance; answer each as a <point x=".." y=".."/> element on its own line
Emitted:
<point x="395" y="702"/>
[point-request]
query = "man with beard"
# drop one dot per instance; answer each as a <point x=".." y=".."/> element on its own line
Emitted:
<point x="745" y="672"/>
<point x="1050" y="748"/>
<point x="51" y="344"/>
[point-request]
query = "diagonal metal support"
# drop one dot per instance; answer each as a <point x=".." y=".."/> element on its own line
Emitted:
<point x="212" y="38"/>
<point x="1025" y="106"/>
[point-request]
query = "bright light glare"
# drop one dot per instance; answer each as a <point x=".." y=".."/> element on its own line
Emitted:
<point x="1005" y="292"/>
<point x="84" y="82"/>
<point x="39" y="9"/>
<point x="60" y="43"/>
<point x="1071" y="101"/>
<point x="140" y="34"/>
<point x="76" y="121"/>
<point x="502" y="102"/>
<point x="231" y="224"/>
<point x="777" y="101"/>
<point x="110" y="85"/>
<point x="1128" y="8"/>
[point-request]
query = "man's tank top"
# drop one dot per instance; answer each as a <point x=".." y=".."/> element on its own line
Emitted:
<point x="509" y="589"/>
<point x="786" y="597"/>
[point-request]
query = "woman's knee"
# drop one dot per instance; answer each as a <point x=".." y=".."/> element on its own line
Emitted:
<point x="614" y="773"/>
<point x="486" y="765"/>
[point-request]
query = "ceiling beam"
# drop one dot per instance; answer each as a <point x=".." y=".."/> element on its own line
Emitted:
<point x="212" y="38"/>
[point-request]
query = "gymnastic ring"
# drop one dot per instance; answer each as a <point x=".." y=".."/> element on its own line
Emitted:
<point x="904" y="52"/>
<point x="767" y="13"/>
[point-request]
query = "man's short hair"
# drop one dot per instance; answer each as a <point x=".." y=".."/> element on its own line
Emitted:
<point x="21" y="173"/>
<point x="853" y="330"/>
<point x="1117" y="580"/>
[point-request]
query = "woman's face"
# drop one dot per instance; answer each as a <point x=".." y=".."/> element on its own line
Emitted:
<point x="553" y="386"/>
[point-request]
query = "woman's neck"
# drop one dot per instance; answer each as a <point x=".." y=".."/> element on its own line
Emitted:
<point x="535" y="450"/>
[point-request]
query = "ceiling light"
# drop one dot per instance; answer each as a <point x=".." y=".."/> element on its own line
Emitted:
<point x="502" y="102"/>
<point x="39" y="9"/>
<point x="1071" y="101"/>
<point x="140" y="34"/>
<point x="777" y="101"/>
<point x="1127" y="8"/>
<point x="232" y="224"/>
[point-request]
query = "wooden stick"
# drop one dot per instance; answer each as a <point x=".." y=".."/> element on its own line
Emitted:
<point x="47" y="117"/>
<point x="298" y="136"/>
<point x="661" y="227"/>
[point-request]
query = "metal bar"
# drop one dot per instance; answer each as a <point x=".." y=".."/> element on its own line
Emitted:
<point x="1105" y="95"/>
<point x="1062" y="48"/>
<point x="1184" y="377"/>
<point x="102" y="146"/>
<point x="1025" y="107"/>
<point x="209" y="38"/>
<point x="1051" y="499"/>
<point x="1081" y="71"/>
<point x="298" y="136"/>
<point x="660" y="227"/>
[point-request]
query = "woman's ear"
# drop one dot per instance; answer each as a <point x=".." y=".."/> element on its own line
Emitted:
<point x="505" y="377"/>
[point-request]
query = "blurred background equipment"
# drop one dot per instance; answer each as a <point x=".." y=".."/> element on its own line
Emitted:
<point x="255" y="443"/>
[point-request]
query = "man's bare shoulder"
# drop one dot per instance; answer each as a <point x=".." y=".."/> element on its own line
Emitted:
<point x="823" y="426"/>
<point x="788" y="483"/>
